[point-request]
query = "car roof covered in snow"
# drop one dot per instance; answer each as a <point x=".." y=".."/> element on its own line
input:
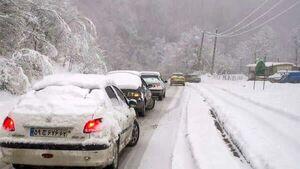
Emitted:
<point x="87" y="81"/>
<point x="125" y="80"/>
<point x="150" y="73"/>
<point x="126" y="71"/>
<point x="178" y="73"/>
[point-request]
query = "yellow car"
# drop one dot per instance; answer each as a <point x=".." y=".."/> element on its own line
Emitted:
<point x="177" y="78"/>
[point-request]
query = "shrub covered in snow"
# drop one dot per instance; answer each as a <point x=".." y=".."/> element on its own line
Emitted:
<point x="34" y="64"/>
<point x="12" y="77"/>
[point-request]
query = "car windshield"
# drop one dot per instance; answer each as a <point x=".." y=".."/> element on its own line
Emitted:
<point x="151" y="80"/>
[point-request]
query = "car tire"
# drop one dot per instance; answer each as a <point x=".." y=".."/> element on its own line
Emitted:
<point x="115" y="163"/>
<point x="135" y="134"/>
<point x="152" y="105"/>
<point x="164" y="95"/>
<point x="142" y="111"/>
<point x="18" y="166"/>
<point x="160" y="97"/>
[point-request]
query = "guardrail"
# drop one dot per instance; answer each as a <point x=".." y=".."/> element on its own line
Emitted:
<point x="231" y="77"/>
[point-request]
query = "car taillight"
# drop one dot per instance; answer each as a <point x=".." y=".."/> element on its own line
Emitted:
<point x="9" y="124"/>
<point x="92" y="126"/>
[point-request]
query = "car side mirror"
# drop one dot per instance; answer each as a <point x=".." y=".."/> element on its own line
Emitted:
<point x="132" y="103"/>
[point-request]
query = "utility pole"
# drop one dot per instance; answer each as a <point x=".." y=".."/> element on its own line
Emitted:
<point x="200" y="52"/>
<point x="297" y="53"/>
<point x="214" y="53"/>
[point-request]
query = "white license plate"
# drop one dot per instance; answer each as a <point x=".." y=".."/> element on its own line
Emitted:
<point x="50" y="132"/>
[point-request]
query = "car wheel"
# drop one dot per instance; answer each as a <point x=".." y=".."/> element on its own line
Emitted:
<point x="151" y="106"/>
<point x="135" y="134"/>
<point x="18" y="166"/>
<point x="142" y="111"/>
<point x="160" y="97"/>
<point x="164" y="95"/>
<point x="115" y="163"/>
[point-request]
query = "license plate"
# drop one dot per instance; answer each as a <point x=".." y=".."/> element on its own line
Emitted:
<point x="50" y="132"/>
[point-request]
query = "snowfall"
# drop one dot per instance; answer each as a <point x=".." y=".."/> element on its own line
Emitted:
<point x="228" y="124"/>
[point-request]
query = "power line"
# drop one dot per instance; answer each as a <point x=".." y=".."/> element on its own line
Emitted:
<point x="247" y="17"/>
<point x="255" y="20"/>
<point x="264" y="23"/>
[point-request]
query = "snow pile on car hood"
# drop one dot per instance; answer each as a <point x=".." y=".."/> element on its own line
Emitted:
<point x="126" y="80"/>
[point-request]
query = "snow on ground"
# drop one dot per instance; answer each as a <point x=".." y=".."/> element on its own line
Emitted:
<point x="199" y="136"/>
<point x="265" y="124"/>
<point x="159" y="151"/>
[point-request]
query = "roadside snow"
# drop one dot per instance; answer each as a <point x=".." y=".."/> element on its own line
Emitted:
<point x="264" y="124"/>
<point x="206" y="143"/>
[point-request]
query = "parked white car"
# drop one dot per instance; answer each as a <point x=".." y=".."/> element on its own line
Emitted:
<point x="70" y="120"/>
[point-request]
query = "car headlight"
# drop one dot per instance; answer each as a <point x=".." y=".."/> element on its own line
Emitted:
<point x="134" y="94"/>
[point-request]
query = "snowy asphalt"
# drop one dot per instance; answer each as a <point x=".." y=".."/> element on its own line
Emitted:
<point x="158" y="135"/>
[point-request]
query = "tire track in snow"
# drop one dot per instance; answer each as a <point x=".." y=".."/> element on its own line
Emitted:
<point x="274" y="110"/>
<point x="287" y="143"/>
<point x="183" y="144"/>
<point x="131" y="158"/>
<point x="257" y="117"/>
<point x="228" y="140"/>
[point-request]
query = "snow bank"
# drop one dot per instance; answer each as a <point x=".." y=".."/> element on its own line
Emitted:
<point x="34" y="64"/>
<point x="205" y="141"/>
<point x="264" y="124"/>
<point x="12" y="78"/>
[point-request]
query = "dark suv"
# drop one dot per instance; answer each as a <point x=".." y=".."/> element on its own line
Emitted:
<point x="134" y="87"/>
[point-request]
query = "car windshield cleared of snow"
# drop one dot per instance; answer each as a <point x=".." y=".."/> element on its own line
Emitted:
<point x="151" y="80"/>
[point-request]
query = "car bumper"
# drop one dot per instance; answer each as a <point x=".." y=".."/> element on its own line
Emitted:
<point x="177" y="82"/>
<point x="62" y="155"/>
<point x="157" y="93"/>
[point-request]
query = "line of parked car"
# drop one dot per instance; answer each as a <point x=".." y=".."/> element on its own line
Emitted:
<point x="79" y="120"/>
<point x="285" y="77"/>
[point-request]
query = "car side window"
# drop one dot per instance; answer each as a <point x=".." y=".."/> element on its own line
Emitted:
<point x="111" y="94"/>
<point x="144" y="84"/>
<point x="121" y="95"/>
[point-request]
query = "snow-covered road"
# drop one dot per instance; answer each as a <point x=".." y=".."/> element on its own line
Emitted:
<point x="219" y="125"/>
<point x="181" y="133"/>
